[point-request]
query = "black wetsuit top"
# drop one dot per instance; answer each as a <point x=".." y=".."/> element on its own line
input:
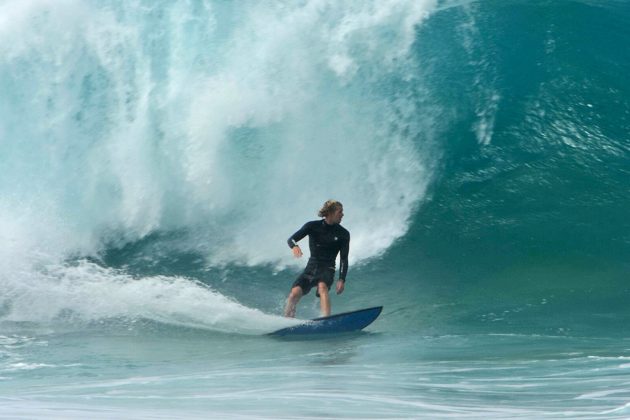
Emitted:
<point x="325" y="242"/>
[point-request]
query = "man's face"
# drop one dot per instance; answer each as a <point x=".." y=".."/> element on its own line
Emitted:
<point x="337" y="215"/>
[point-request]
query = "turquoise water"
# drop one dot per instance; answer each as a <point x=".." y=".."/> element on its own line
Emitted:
<point x="155" y="156"/>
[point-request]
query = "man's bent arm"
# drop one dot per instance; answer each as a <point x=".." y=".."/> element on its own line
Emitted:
<point x="297" y="236"/>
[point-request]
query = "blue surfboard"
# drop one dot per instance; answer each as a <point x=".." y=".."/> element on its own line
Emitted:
<point x="339" y="323"/>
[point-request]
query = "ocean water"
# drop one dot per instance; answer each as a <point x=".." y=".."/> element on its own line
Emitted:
<point x="155" y="156"/>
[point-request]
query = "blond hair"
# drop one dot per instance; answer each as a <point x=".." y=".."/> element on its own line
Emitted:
<point x="329" y="208"/>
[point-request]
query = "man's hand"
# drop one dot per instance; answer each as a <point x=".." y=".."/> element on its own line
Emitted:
<point x="341" y="284"/>
<point x="297" y="252"/>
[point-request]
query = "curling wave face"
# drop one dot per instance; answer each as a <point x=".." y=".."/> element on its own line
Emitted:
<point x="227" y="123"/>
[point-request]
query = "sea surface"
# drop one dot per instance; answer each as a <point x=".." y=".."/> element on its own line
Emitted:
<point x="156" y="155"/>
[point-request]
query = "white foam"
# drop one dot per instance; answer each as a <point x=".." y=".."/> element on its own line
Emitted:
<point x="87" y="292"/>
<point x="25" y="366"/>
<point x="142" y="122"/>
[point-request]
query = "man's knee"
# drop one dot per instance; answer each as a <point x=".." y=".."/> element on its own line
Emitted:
<point x="322" y="288"/>
<point x="295" y="293"/>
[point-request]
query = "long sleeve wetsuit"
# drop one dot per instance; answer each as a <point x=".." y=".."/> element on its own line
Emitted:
<point x="325" y="242"/>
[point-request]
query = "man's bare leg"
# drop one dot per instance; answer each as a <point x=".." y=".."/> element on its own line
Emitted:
<point x="292" y="300"/>
<point x="324" y="299"/>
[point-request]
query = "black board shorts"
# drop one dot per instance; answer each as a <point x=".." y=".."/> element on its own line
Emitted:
<point x="315" y="272"/>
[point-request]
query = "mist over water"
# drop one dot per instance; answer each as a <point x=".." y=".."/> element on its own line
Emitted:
<point x="228" y="124"/>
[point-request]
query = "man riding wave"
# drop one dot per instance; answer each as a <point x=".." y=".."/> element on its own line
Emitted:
<point x="327" y="239"/>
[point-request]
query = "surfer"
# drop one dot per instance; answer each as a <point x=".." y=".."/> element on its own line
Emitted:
<point x="326" y="239"/>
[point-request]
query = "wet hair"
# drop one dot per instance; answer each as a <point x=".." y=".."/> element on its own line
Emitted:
<point x="329" y="208"/>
